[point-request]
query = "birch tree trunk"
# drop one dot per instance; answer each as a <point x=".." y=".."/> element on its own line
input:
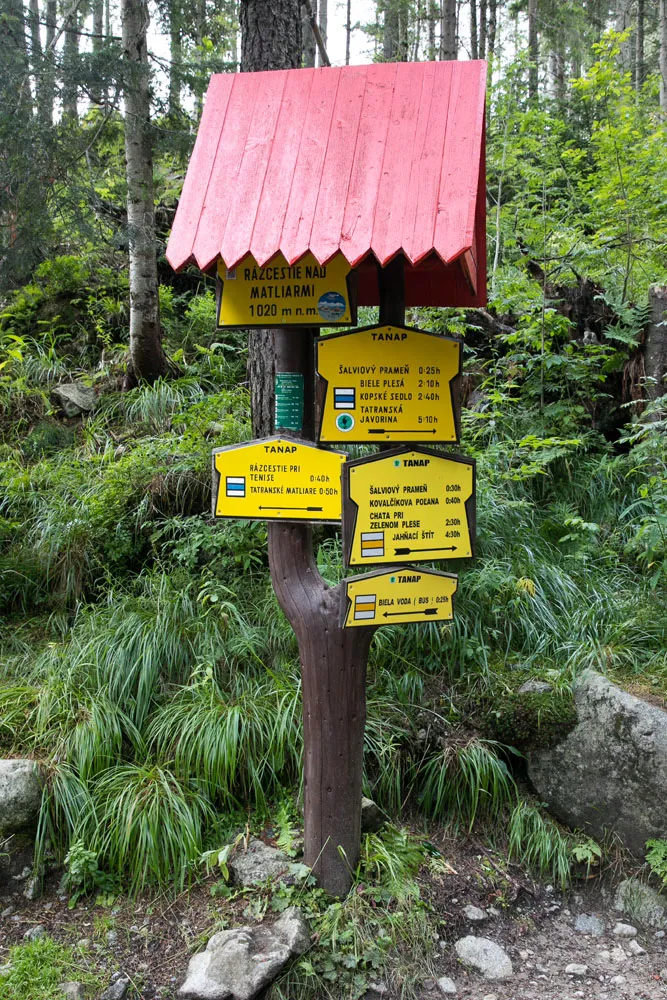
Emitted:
<point x="147" y="359"/>
<point x="655" y="345"/>
<point x="492" y="28"/>
<point x="46" y="90"/>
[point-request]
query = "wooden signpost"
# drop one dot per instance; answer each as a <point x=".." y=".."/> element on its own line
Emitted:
<point x="307" y="191"/>
<point x="389" y="383"/>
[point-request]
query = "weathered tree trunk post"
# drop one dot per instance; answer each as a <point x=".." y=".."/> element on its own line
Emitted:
<point x="655" y="345"/>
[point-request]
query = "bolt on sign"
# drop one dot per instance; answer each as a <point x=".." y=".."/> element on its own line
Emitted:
<point x="408" y="505"/>
<point x="280" y="294"/>
<point x="401" y="594"/>
<point x="277" y="479"/>
<point x="389" y="383"/>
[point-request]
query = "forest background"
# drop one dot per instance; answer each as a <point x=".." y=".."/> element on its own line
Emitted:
<point x="143" y="658"/>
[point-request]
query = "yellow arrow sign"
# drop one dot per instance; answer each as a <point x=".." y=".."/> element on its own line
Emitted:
<point x="408" y="505"/>
<point x="277" y="479"/>
<point x="389" y="383"/>
<point x="402" y="594"/>
<point x="280" y="294"/>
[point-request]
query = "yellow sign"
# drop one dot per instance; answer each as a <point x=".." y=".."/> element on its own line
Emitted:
<point x="404" y="594"/>
<point x="389" y="383"/>
<point x="277" y="479"/>
<point x="280" y="294"/>
<point x="408" y="505"/>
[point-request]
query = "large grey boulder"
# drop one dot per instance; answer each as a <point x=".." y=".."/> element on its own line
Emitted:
<point x="20" y="795"/>
<point x="75" y="398"/>
<point x="610" y="772"/>
<point x="257" y="863"/>
<point x="484" y="955"/>
<point x="240" y="963"/>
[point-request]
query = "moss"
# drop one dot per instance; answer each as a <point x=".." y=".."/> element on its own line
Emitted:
<point x="526" y="721"/>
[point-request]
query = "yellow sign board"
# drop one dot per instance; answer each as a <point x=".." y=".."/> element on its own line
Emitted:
<point x="277" y="479"/>
<point x="282" y="294"/>
<point x="389" y="383"/>
<point x="402" y="594"/>
<point x="408" y="505"/>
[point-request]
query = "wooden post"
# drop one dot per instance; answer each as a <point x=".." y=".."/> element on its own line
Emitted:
<point x="333" y="659"/>
<point x="333" y="669"/>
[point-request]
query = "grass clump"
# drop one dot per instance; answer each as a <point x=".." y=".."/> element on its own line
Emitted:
<point x="539" y="843"/>
<point x="38" y="968"/>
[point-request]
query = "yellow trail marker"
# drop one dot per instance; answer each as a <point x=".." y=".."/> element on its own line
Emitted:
<point x="279" y="294"/>
<point x="389" y="383"/>
<point x="408" y="505"/>
<point x="277" y="479"/>
<point x="402" y="594"/>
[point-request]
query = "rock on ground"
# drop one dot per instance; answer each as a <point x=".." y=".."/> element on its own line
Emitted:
<point x="484" y="955"/>
<point x="624" y="930"/>
<point x="474" y="914"/>
<point x="118" y="989"/>
<point x="446" y="986"/>
<point x="73" y="991"/>
<point x="574" y="969"/>
<point x="257" y="864"/>
<point x="610" y="772"/>
<point x="642" y="903"/>
<point x="588" y="923"/>
<point x="241" y="962"/>
<point x="75" y="398"/>
<point x="20" y="795"/>
<point x="535" y="687"/>
<point x="372" y="817"/>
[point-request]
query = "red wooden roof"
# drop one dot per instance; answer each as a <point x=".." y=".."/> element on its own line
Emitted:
<point x="372" y="161"/>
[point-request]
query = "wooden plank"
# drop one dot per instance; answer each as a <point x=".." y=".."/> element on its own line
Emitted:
<point x="252" y="170"/>
<point x="387" y="238"/>
<point x="270" y="216"/>
<point x="366" y="170"/>
<point x="332" y="197"/>
<point x="458" y="183"/>
<point x="179" y="248"/>
<point x="422" y="196"/>
<point x="309" y="167"/>
<point x="222" y="183"/>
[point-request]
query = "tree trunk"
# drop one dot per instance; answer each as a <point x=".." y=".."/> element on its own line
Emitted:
<point x="99" y="93"/>
<point x="432" y="18"/>
<point x="348" y="31"/>
<point x="622" y="24"/>
<point x="35" y="43"/>
<point x="493" y="26"/>
<point x="448" y="30"/>
<point x="655" y="345"/>
<point x="482" y="29"/>
<point x="270" y="34"/>
<point x="71" y="67"/>
<point x="662" y="32"/>
<point x="147" y="359"/>
<point x="176" y="59"/>
<point x="391" y="30"/>
<point x="474" y="41"/>
<point x="308" y="36"/>
<point x="47" y="88"/>
<point x="639" y="50"/>
<point x="323" y="25"/>
<point x="533" y="51"/>
<point x="403" y="49"/>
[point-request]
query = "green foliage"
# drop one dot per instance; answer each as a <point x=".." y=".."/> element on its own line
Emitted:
<point x="37" y="969"/>
<point x="539" y="843"/>
<point x="83" y="875"/>
<point x="656" y="857"/>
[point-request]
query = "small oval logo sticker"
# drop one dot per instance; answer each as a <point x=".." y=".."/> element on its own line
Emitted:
<point x="331" y="306"/>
